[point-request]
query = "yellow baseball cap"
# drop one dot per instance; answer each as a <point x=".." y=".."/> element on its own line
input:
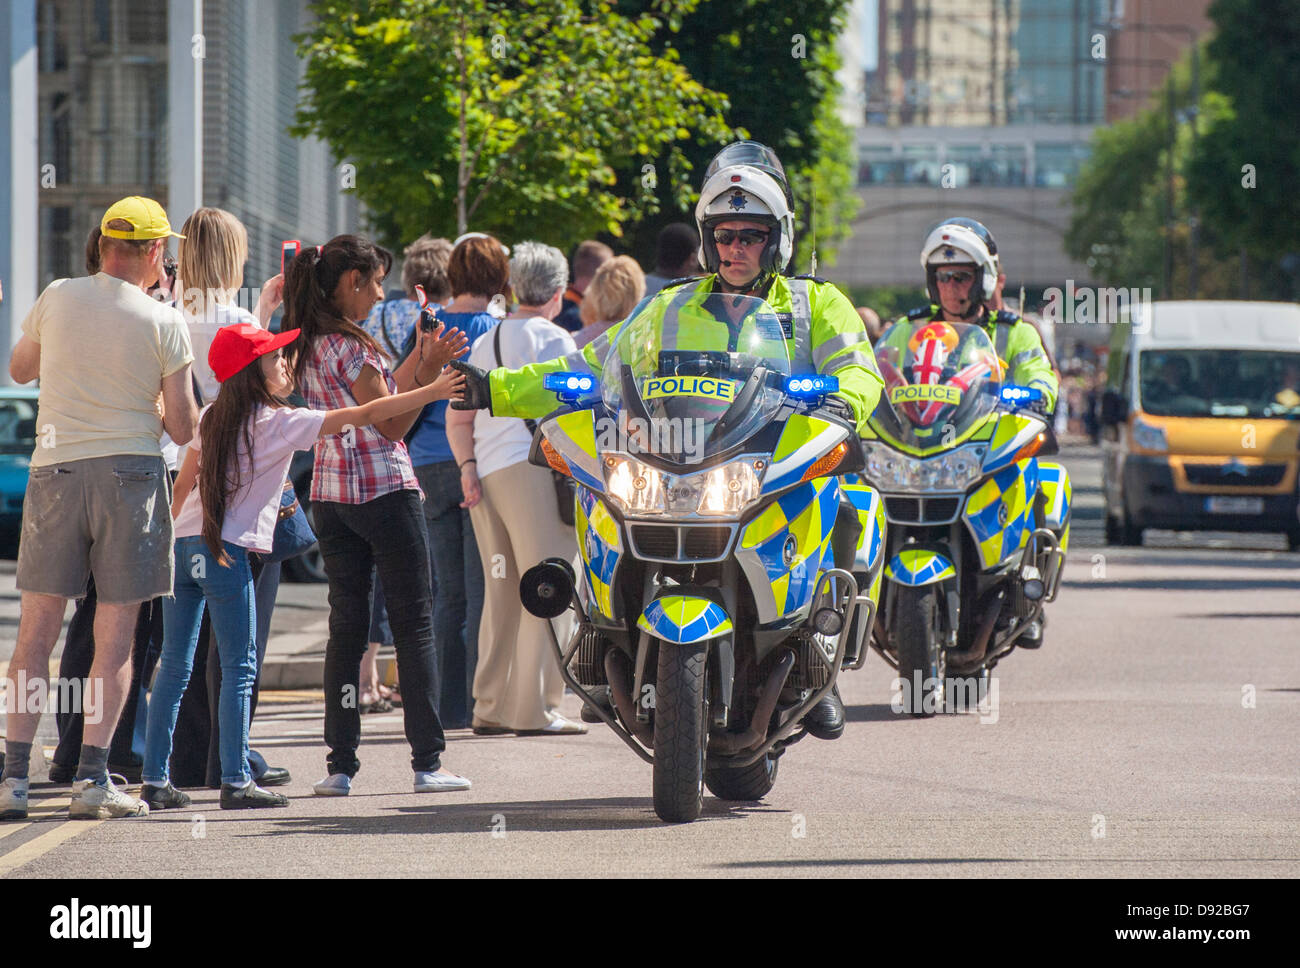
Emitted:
<point x="145" y="214"/>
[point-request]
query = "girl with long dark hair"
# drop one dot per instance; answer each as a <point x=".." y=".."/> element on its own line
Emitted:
<point x="239" y="459"/>
<point x="366" y="505"/>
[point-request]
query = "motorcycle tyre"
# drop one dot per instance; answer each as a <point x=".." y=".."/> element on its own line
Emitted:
<point x="744" y="783"/>
<point x="916" y="640"/>
<point x="681" y="731"/>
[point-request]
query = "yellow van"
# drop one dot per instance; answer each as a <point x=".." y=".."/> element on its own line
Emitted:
<point x="1201" y="419"/>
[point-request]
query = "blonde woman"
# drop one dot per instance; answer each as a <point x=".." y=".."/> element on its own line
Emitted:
<point x="617" y="287"/>
<point x="210" y="274"/>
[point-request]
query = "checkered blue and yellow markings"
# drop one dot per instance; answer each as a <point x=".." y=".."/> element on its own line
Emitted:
<point x="785" y="548"/>
<point x="573" y="435"/>
<point x="601" y="547"/>
<point x="916" y="567"/>
<point x="1055" y="483"/>
<point x="1013" y="431"/>
<point x="684" y="619"/>
<point x="804" y="440"/>
<point x="1000" y="512"/>
<point x="871" y="515"/>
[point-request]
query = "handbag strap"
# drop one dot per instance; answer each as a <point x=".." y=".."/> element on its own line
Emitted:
<point x="496" y="353"/>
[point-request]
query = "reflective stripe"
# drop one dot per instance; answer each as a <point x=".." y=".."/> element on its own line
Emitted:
<point x="835" y="345"/>
<point x="854" y="359"/>
<point x="1026" y="356"/>
<point x="801" y="317"/>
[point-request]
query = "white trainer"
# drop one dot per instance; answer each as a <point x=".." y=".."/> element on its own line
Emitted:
<point x="427" y="781"/>
<point x="13" y="799"/>
<point x="90" y="801"/>
<point x="334" y="785"/>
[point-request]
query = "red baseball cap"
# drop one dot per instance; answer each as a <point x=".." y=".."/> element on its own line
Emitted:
<point x="234" y="347"/>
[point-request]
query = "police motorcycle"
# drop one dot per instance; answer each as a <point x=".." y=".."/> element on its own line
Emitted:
<point x="711" y="616"/>
<point x="978" y="523"/>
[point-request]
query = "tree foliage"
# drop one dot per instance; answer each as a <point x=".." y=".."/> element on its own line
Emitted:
<point x="506" y="117"/>
<point x="1233" y="178"/>
<point x="775" y="60"/>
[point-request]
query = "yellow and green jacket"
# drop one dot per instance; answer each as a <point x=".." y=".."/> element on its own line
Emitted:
<point x="825" y="336"/>
<point x="1018" y="345"/>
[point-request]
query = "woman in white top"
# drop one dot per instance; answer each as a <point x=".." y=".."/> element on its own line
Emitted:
<point x="517" y="684"/>
<point x="210" y="273"/>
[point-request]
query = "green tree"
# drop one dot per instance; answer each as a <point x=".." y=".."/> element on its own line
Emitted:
<point x="507" y="117"/>
<point x="1121" y="220"/>
<point x="1243" y="177"/>
<point x="775" y="60"/>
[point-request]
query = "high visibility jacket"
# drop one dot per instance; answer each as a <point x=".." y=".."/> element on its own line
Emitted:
<point x="1018" y="345"/>
<point x="825" y="335"/>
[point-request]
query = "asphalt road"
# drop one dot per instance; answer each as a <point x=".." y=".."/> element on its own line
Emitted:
<point x="1154" y="734"/>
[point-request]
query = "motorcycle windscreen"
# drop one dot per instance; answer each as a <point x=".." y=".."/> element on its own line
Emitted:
<point x="941" y="380"/>
<point x="692" y="374"/>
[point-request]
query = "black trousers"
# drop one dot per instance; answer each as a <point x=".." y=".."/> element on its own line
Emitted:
<point x="387" y="536"/>
<point x="79" y="655"/>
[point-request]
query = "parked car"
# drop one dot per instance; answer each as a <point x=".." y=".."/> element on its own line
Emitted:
<point x="17" y="441"/>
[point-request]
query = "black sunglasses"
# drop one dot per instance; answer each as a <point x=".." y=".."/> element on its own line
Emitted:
<point x="746" y="237"/>
<point x="958" y="276"/>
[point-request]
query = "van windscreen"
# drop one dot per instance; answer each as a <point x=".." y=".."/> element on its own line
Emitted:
<point x="1220" y="383"/>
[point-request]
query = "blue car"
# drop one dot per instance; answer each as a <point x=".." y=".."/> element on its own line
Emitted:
<point x="17" y="441"/>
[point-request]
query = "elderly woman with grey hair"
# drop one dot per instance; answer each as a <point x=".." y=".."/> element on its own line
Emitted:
<point x="517" y="686"/>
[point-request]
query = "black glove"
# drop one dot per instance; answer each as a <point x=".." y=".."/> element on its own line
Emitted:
<point x="838" y="407"/>
<point x="478" y="392"/>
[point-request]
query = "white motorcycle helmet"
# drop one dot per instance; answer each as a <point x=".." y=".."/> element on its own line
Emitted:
<point x="744" y="192"/>
<point x="958" y="242"/>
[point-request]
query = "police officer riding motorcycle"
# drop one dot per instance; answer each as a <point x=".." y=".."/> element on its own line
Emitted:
<point x="746" y="225"/>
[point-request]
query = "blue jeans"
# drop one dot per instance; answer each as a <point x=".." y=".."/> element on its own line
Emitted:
<point x="228" y="591"/>
<point x="458" y="587"/>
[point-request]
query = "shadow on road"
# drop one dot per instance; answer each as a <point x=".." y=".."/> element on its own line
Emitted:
<point x="1189" y="584"/>
<point x="873" y="713"/>
<point x="614" y="813"/>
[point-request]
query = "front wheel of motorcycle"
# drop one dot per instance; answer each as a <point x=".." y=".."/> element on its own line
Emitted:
<point x="681" y="731"/>
<point x="921" y="665"/>
<point x="752" y="782"/>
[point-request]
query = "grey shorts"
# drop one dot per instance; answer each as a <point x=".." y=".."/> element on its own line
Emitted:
<point x="106" y="515"/>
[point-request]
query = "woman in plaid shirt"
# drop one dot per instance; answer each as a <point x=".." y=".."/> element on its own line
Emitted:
<point x="366" y="502"/>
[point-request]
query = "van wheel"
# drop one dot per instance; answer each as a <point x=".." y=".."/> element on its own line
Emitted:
<point x="1293" y="540"/>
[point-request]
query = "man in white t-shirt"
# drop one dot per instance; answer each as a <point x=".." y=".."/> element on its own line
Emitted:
<point x="114" y="367"/>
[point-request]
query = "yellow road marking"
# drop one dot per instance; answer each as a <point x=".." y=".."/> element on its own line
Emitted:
<point x="43" y="844"/>
<point x="9" y="831"/>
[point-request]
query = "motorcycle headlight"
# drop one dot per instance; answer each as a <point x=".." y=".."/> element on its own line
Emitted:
<point x="637" y="488"/>
<point x="891" y="471"/>
<point x="640" y="489"/>
<point x="1149" y="437"/>
<point x="728" y="489"/>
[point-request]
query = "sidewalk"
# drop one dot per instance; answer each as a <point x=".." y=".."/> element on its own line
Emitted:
<point x="295" y="652"/>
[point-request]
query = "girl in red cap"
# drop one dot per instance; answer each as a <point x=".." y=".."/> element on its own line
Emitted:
<point x="249" y="435"/>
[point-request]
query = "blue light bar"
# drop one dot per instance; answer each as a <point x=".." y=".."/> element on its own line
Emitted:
<point x="1020" y="395"/>
<point x="569" y="386"/>
<point x="811" y="388"/>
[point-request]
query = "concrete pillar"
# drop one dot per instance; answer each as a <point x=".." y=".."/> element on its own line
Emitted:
<point x="186" y="49"/>
<point x="19" y="171"/>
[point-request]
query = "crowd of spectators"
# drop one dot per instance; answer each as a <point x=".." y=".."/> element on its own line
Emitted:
<point x="413" y="504"/>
